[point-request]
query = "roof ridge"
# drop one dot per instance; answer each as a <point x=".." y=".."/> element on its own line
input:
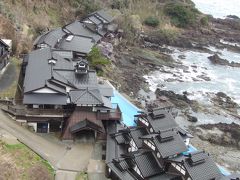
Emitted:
<point x="100" y="100"/>
<point x="84" y="92"/>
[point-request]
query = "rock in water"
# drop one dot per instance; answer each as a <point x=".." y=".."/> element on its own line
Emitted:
<point x="215" y="59"/>
<point x="192" y="118"/>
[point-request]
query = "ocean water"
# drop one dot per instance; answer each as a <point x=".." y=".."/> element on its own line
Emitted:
<point x="222" y="78"/>
<point x="219" y="8"/>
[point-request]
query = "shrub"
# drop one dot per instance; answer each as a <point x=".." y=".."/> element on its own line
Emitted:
<point x="204" y="20"/>
<point x="151" y="21"/>
<point x="181" y="16"/>
<point x="96" y="58"/>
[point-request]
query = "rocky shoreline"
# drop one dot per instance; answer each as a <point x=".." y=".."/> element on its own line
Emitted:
<point x="130" y="64"/>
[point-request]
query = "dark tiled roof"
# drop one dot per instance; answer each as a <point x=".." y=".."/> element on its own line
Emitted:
<point x="168" y="143"/>
<point x="136" y="133"/>
<point x="77" y="28"/>
<point x="113" y="149"/>
<point x="123" y="175"/>
<point x="45" y="99"/>
<point x="59" y="77"/>
<point x="183" y="132"/>
<point x="165" y="121"/>
<point x="165" y="176"/>
<point x="147" y="164"/>
<point x="77" y="44"/>
<point x="122" y="138"/>
<point x="50" y="38"/>
<point x="87" y="124"/>
<point x="86" y="97"/>
<point x="200" y="166"/>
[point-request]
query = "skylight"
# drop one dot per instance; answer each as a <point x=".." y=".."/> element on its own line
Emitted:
<point x="69" y="38"/>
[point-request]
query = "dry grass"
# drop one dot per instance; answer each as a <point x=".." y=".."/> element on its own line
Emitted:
<point x="145" y="9"/>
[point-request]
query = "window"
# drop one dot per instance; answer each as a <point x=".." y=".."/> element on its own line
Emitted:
<point x="151" y="130"/>
<point x="150" y="144"/>
<point x="180" y="168"/>
<point x="69" y="38"/>
<point x="35" y="106"/>
<point x="133" y="146"/>
<point x="144" y="121"/>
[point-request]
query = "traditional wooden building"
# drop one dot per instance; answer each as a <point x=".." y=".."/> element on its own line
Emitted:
<point x="65" y="95"/>
<point x="4" y="54"/>
<point x="158" y="153"/>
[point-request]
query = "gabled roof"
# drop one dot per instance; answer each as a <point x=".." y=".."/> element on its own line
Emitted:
<point x="77" y="44"/>
<point x="146" y="162"/>
<point x="113" y="150"/>
<point x="87" y="124"/>
<point x="184" y="133"/>
<point x="50" y="38"/>
<point x="121" y="137"/>
<point x="168" y="143"/>
<point x="136" y="133"/>
<point x="199" y="165"/>
<point x="77" y="28"/>
<point x="121" y="174"/>
<point x="86" y="97"/>
<point x="161" y="120"/>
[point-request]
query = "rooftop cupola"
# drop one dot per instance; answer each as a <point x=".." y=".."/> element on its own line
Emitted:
<point x="52" y="60"/>
<point x="81" y="67"/>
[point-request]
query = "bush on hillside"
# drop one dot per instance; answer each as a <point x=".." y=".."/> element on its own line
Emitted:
<point x="181" y="15"/>
<point x="151" y="21"/>
<point x="204" y="21"/>
<point x="96" y="58"/>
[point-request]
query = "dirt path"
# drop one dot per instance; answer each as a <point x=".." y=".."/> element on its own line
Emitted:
<point x="66" y="161"/>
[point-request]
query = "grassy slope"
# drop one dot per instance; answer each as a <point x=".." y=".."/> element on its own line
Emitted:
<point x="10" y="91"/>
<point x="19" y="162"/>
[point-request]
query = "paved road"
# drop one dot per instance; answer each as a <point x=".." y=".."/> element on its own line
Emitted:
<point x="8" y="77"/>
<point x="66" y="161"/>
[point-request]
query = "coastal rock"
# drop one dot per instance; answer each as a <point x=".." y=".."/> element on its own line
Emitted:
<point x="233" y="17"/>
<point x="181" y="101"/>
<point x="224" y="101"/>
<point x="182" y="57"/>
<point x="192" y="118"/>
<point x="215" y="59"/>
<point x="204" y="77"/>
<point x="221" y="134"/>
